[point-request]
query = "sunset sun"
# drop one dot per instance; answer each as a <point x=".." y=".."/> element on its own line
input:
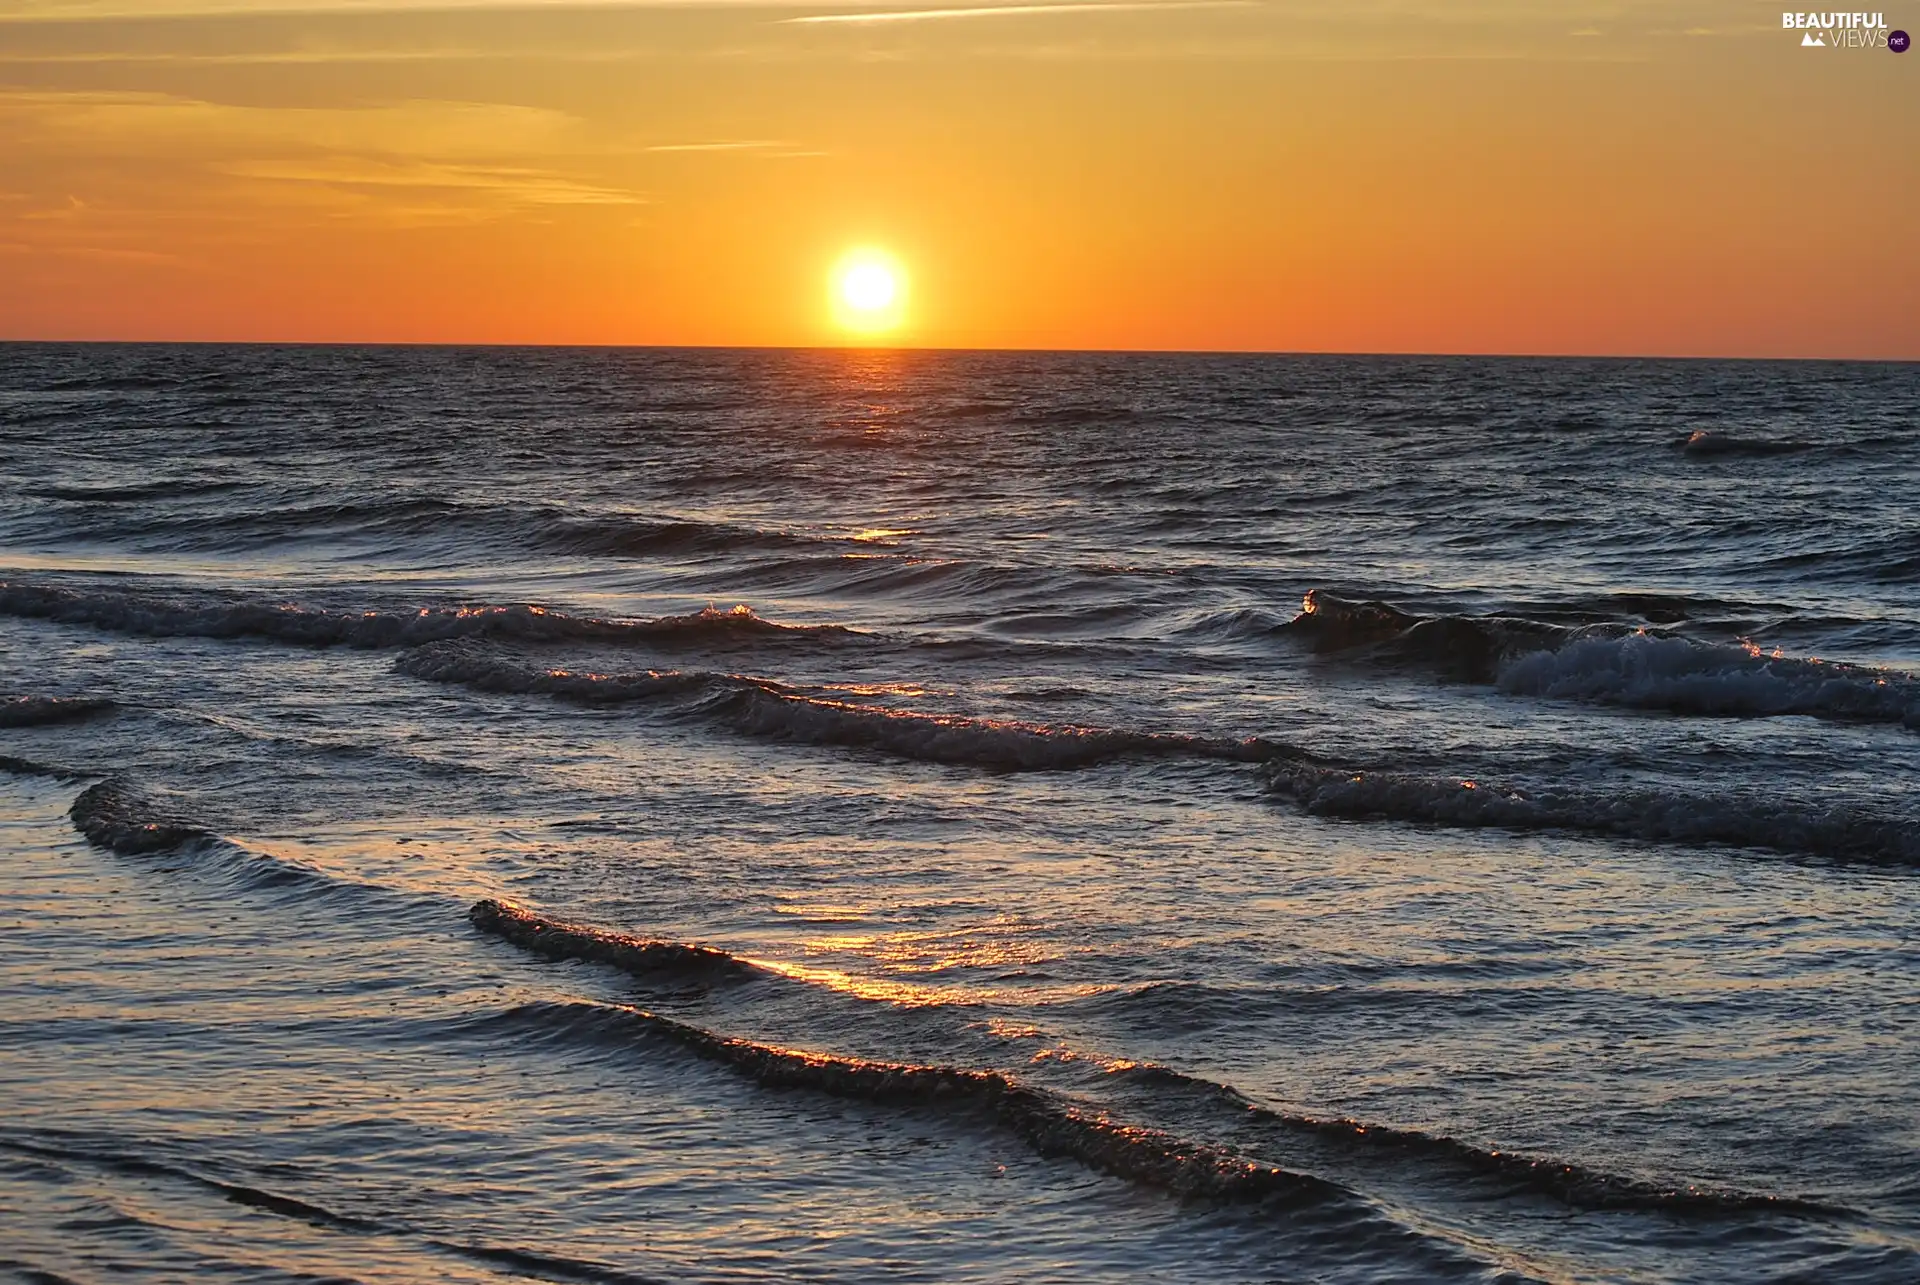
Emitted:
<point x="867" y="289"/>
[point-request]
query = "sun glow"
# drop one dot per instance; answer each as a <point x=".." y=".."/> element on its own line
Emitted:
<point x="868" y="289"/>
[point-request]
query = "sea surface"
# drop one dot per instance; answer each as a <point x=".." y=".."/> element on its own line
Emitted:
<point x="643" y="815"/>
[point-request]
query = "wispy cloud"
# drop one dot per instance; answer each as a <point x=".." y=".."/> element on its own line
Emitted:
<point x="758" y="149"/>
<point x="253" y="57"/>
<point x="415" y="162"/>
<point x="744" y="145"/>
<point x="1015" y="11"/>
<point x="436" y="129"/>
<point x="117" y="254"/>
<point x="512" y="185"/>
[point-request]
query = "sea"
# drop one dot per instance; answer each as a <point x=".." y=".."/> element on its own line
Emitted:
<point x="643" y="815"/>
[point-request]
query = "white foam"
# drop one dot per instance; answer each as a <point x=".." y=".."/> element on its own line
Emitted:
<point x="1646" y="671"/>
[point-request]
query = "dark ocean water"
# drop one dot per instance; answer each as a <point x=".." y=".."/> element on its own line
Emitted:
<point x="957" y="817"/>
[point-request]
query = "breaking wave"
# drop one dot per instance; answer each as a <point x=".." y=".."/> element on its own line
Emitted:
<point x="1646" y="671"/>
<point x="556" y="939"/>
<point x="1798" y="827"/>
<point x="156" y="614"/>
<point x="762" y="708"/>
<point x="1705" y="443"/>
<point x="36" y="711"/>
<point x="1468" y="647"/>
<point x="1611" y="663"/>
<point x="114" y="816"/>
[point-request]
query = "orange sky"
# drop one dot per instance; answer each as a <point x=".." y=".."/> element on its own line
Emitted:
<point x="1499" y="176"/>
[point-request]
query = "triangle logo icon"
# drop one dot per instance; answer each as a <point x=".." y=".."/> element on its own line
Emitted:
<point x="1811" y="41"/>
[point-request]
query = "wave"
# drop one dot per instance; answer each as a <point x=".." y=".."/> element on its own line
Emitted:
<point x="762" y="708"/>
<point x="1052" y="1125"/>
<point x="517" y="1261"/>
<point x="1639" y="608"/>
<point x="32" y="767"/>
<point x="1060" y="1126"/>
<point x="1647" y="671"/>
<point x="1090" y="413"/>
<point x="467" y="665"/>
<point x="134" y="383"/>
<point x="277" y="517"/>
<point x="1706" y="443"/>
<point x="1345" y="1139"/>
<point x="131" y="493"/>
<point x="972" y="410"/>
<point x="542" y="528"/>
<point x="1048" y="1120"/>
<point x="37" y="711"/>
<point x="1074" y="600"/>
<point x="153" y="613"/>
<point x="114" y="816"/>
<point x="1890" y="556"/>
<point x="639" y="537"/>
<point x="1231" y="625"/>
<point x="557" y="939"/>
<point x="1612" y="663"/>
<point x="238" y="1193"/>
<point x="1799" y="827"/>
<point x="1575" y="1185"/>
<point x="979" y="742"/>
<point x="1470" y="647"/>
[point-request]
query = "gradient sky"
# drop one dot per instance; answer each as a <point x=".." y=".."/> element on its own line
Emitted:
<point x="1482" y="176"/>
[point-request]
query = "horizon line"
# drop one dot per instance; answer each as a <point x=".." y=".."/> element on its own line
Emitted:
<point x="10" y="341"/>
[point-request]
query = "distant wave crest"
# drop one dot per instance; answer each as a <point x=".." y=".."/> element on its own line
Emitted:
<point x="399" y="516"/>
<point x="156" y="613"/>
<point x="1802" y="827"/>
<point x="557" y="939"/>
<point x="1708" y="443"/>
<point x="762" y="708"/>
<point x="1613" y="664"/>
<point x="1647" y="671"/>
<point x="1468" y="647"/>
<point x="36" y="711"/>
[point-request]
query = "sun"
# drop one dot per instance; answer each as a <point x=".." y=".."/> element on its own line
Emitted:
<point x="869" y="287"/>
<point x="868" y="290"/>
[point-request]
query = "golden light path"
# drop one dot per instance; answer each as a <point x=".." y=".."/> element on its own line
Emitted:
<point x="868" y="291"/>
